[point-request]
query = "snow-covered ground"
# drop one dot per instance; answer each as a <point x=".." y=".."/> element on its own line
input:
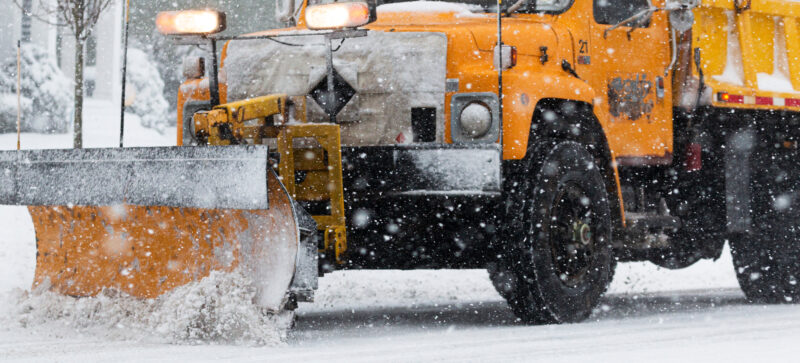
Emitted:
<point x="364" y="316"/>
<point x="100" y="129"/>
<point x="650" y="314"/>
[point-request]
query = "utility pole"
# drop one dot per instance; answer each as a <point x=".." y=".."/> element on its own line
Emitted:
<point x="19" y="92"/>
<point x="124" y="73"/>
<point x="500" y="67"/>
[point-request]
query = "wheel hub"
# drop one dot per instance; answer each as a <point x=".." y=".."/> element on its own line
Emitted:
<point x="572" y="235"/>
<point x="581" y="232"/>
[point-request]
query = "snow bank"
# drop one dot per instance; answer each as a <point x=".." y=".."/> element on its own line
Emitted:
<point x="100" y="129"/>
<point x="18" y="252"/>
<point x="346" y="290"/>
<point x="217" y="310"/>
<point x="637" y="278"/>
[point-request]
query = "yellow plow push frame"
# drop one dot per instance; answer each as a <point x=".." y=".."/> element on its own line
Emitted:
<point x="310" y="163"/>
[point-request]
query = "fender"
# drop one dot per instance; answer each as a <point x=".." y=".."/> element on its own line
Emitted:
<point x="519" y="114"/>
<point x="521" y="95"/>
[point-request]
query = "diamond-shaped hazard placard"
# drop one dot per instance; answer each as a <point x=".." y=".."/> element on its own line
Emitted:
<point x="333" y="102"/>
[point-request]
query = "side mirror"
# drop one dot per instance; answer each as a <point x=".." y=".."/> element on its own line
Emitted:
<point x="681" y="16"/>
<point x="681" y="20"/>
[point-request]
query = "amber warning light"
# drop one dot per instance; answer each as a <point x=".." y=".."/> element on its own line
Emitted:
<point x="190" y="22"/>
<point x="338" y="16"/>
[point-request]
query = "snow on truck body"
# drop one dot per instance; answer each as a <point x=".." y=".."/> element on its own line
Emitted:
<point x="391" y="74"/>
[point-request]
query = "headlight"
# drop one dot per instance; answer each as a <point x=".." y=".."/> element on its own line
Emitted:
<point x="475" y="120"/>
<point x="475" y="117"/>
<point x="190" y="22"/>
<point x="338" y="16"/>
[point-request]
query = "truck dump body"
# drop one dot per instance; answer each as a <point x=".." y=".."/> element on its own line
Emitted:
<point x="750" y="53"/>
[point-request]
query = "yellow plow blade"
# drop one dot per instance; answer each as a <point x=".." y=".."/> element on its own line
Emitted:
<point x="150" y="236"/>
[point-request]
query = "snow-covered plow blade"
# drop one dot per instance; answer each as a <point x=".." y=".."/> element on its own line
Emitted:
<point x="145" y="221"/>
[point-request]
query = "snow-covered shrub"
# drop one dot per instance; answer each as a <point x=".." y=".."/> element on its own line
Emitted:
<point x="146" y="88"/>
<point x="8" y="111"/>
<point x="47" y="93"/>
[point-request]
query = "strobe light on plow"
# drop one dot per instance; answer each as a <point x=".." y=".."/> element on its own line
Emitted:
<point x="144" y="221"/>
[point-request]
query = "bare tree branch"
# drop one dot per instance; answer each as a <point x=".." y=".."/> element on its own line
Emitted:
<point x="80" y="16"/>
<point x="44" y="18"/>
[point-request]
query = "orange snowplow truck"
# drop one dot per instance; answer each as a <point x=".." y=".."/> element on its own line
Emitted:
<point x="543" y="140"/>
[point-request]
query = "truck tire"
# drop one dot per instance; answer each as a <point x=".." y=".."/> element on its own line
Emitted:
<point x="559" y="259"/>
<point x="767" y="267"/>
<point x="767" y="260"/>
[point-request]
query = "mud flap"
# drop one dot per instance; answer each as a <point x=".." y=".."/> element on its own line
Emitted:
<point x="739" y="148"/>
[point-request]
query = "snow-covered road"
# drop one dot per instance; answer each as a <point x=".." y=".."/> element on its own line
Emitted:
<point x="708" y="326"/>
<point x="650" y="314"/>
<point x="715" y="326"/>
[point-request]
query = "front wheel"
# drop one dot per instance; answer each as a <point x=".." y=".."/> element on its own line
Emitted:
<point x="560" y="263"/>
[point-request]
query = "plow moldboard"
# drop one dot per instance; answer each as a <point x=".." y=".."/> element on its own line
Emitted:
<point x="147" y="251"/>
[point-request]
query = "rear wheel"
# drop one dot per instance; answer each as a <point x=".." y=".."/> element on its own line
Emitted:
<point x="767" y="267"/>
<point x="560" y="262"/>
<point x="767" y="260"/>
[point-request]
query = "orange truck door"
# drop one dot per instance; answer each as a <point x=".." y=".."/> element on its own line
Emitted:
<point x="627" y="70"/>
